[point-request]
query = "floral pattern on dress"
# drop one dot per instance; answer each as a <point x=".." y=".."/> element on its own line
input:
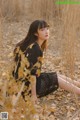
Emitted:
<point x="27" y="63"/>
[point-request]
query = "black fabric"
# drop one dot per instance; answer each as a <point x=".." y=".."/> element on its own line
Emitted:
<point x="33" y="53"/>
<point x="46" y="83"/>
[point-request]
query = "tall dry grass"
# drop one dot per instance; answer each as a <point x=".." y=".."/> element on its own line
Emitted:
<point x="44" y="9"/>
<point x="12" y="9"/>
<point x="70" y="40"/>
<point x="1" y="36"/>
<point x="70" y="18"/>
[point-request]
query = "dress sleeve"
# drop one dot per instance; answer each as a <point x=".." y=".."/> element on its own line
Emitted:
<point x="35" y="56"/>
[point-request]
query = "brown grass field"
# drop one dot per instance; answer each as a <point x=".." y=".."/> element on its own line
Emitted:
<point x="62" y="56"/>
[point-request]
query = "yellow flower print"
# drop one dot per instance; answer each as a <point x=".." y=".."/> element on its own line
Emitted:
<point x="25" y="60"/>
<point x="26" y="72"/>
<point x="38" y="65"/>
<point x="31" y="46"/>
<point x="17" y="49"/>
<point x="20" y="73"/>
<point x="38" y="72"/>
<point x="40" y="59"/>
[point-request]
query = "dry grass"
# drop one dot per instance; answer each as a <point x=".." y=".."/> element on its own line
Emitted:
<point x="43" y="9"/>
<point x="70" y="19"/>
<point x="1" y="36"/>
<point x="12" y="9"/>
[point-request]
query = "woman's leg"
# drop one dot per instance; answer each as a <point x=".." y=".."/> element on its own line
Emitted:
<point x="66" y="85"/>
<point x="70" y="80"/>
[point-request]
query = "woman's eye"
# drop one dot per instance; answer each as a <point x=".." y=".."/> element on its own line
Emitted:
<point x="42" y="29"/>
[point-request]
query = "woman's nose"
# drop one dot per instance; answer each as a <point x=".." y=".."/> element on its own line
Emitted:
<point x="47" y="31"/>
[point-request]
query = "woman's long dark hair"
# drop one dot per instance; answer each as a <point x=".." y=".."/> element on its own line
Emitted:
<point x="31" y="37"/>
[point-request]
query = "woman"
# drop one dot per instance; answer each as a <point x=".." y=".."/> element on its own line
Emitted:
<point x="28" y="57"/>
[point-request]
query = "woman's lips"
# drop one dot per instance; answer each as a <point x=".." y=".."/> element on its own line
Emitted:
<point x="46" y="35"/>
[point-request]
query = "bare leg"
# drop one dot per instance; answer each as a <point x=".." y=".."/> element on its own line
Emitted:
<point x="66" y="85"/>
<point x="70" y="80"/>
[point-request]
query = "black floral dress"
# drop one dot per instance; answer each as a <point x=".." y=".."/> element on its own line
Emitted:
<point x="29" y="63"/>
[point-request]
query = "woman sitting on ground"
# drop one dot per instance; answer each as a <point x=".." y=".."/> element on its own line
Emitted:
<point x="28" y="57"/>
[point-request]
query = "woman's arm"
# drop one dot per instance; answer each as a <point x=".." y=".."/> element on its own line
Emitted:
<point x="33" y="88"/>
<point x="34" y="56"/>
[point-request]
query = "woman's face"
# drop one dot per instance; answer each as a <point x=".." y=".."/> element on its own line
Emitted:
<point x="43" y="33"/>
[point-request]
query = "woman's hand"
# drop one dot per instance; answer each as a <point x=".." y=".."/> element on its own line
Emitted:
<point x="34" y="99"/>
<point x="33" y="89"/>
